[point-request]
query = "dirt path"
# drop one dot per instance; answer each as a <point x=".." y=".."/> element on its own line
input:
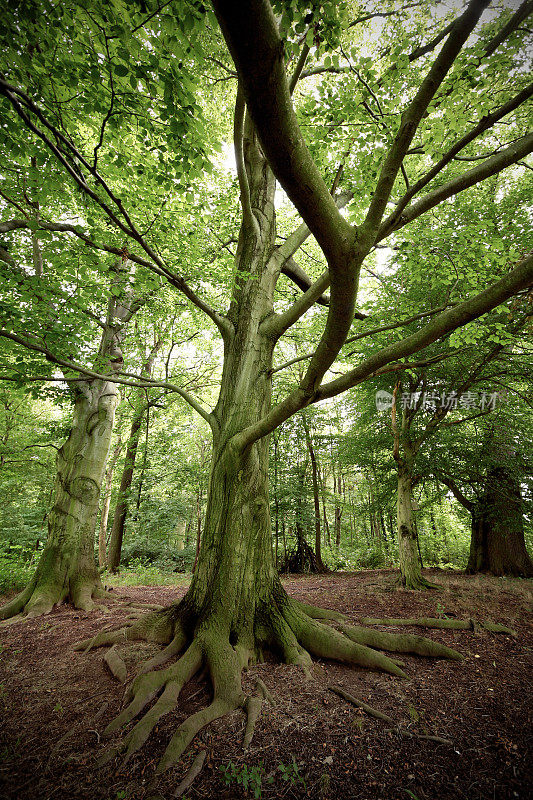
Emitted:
<point x="55" y="703"/>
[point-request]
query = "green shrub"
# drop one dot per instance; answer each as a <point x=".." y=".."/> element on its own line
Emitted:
<point x="14" y="574"/>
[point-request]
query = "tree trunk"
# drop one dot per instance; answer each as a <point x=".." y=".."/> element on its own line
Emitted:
<point x="121" y="508"/>
<point x="316" y="498"/>
<point x="104" y="514"/>
<point x="179" y="535"/>
<point x="236" y="606"/>
<point x="408" y="554"/>
<point x="497" y="544"/>
<point x="67" y="569"/>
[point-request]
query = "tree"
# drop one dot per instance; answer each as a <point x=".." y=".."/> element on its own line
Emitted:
<point x="491" y="492"/>
<point x="236" y="605"/>
<point x="121" y="508"/>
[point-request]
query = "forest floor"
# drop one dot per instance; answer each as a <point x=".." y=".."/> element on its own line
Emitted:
<point x="55" y="703"/>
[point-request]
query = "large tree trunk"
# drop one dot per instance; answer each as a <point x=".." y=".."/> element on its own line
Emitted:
<point x="497" y="544"/>
<point x="236" y="606"/>
<point x="67" y="567"/>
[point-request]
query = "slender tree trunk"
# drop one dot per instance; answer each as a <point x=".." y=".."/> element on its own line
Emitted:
<point x="338" y="509"/>
<point x="316" y="497"/>
<point x="121" y="508"/>
<point x="179" y="535"/>
<point x="408" y="553"/>
<point x="104" y="514"/>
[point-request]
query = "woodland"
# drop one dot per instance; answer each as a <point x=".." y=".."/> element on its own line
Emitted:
<point x="266" y="438"/>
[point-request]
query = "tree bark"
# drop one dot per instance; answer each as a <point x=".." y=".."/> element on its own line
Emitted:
<point x="497" y="545"/>
<point x="121" y="508"/>
<point x="316" y="498"/>
<point x="410" y="571"/>
<point x="104" y="514"/>
<point x="67" y="568"/>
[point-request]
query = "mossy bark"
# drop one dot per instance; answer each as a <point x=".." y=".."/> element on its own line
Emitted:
<point x="410" y="567"/>
<point x="497" y="543"/>
<point x="67" y="567"/>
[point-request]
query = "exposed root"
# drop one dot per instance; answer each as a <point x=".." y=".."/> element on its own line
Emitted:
<point x="209" y="643"/>
<point x="438" y="622"/>
<point x="144" y="689"/>
<point x="173" y="649"/>
<point x="192" y="774"/>
<point x="265" y="691"/>
<point x="325" y="642"/>
<point x="319" y="613"/>
<point x="427" y="736"/>
<point x="399" y="643"/>
<point x="188" y="730"/>
<point x="102" y="639"/>
<point x="418" y="583"/>
<point x="252" y="706"/>
<point x="48" y="589"/>
<point x="116" y="665"/>
<point x="13" y="620"/>
<point x="372" y="712"/>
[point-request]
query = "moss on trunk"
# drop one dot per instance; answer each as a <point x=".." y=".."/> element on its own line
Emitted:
<point x="67" y="569"/>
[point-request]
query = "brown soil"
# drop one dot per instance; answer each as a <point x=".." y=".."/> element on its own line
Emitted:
<point x="50" y="696"/>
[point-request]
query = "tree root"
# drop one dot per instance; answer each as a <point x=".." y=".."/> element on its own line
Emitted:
<point x="399" y="643"/>
<point x="116" y="665"/>
<point x="252" y="707"/>
<point x="373" y="712"/>
<point x="192" y="774"/>
<point x="444" y="623"/>
<point x="320" y="613"/>
<point x="417" y="584"/>
<point x="44" y="592"/>
<point x="209" y="643"/>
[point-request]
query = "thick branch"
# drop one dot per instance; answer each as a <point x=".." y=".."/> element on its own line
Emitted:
<point x="363" y="335"/>
<point x="491" y="166"/>
<point x="457" y="493"/>
<point x="521" y="277"/>
<point x="252" y="36"/>
<point x="484" y="124"/>
<point x="92" y="375"/>
<point x="414" y="112"/>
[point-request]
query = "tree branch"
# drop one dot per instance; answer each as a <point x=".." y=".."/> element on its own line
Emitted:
<point x="521" y="277"/>
<point x="238" y="136"/>
<point x="114" y="378"/>
<point x="484" y="124"/>
<point x="172" y="278"/>
<point x="465" y="180"/>
<point x="411" y="117"/>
